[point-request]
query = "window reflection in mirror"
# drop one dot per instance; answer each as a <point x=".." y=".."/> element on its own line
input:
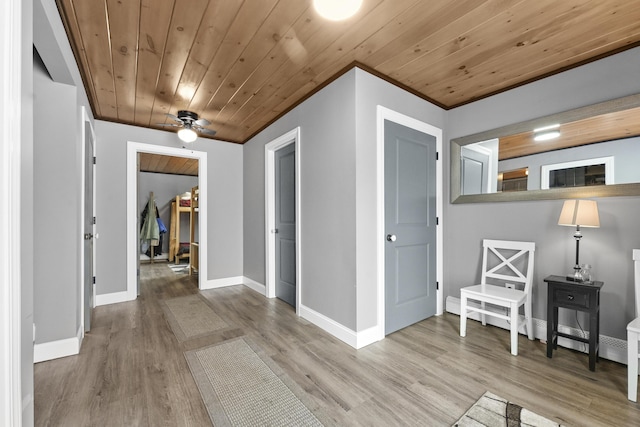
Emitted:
<point x="581" y="176"/>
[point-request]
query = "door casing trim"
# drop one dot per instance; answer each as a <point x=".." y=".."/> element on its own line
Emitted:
<point x="383" y="114"/>
<point x="133" y="148"/>
<point x="16" y="113"/>
<point x="291" y="137"/>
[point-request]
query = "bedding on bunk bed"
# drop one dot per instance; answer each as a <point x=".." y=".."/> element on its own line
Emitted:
<point x="184" y="248"/>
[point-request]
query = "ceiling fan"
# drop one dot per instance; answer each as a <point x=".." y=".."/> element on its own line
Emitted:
<point x="191" y="125"/>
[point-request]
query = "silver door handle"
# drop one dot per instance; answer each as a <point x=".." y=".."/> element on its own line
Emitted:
<point x="391" y="237"/>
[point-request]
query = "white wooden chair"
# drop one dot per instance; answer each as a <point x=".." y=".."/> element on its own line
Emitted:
<point x="506" y="266"/>
<point x="633" y="334"/>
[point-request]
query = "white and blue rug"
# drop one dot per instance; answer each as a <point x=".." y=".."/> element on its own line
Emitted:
<point x="493" y="411"/>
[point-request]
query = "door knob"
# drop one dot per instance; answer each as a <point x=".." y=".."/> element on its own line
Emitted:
<point x="391" y="237"/>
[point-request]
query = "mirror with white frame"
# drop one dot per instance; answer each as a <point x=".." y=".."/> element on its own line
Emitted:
<point x="587" y="152"/>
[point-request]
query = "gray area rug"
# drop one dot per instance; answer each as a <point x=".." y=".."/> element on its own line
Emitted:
<point x="242" y="386"/>
<point x="191" y="317"/>
<point x="493" y="411"/>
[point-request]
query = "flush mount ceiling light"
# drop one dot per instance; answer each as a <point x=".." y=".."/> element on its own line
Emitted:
<point x="546" y="133"/>
<point x="337" y="10"/>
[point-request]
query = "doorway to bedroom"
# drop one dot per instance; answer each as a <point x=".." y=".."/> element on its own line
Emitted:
<point x="166" y="211"/>
<point x="170" y="184"/>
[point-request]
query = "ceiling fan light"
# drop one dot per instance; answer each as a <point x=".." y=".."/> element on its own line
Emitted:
<point x="337" y="10"/>
<point x="187" y="135"/>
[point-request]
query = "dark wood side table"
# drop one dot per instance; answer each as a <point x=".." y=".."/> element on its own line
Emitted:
<point x="576" y="296"/>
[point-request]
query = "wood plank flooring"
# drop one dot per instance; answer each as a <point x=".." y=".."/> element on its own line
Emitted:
<point x="131" y="370"/>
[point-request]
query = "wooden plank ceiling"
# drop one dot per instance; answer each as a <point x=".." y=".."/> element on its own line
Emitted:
<point x="243" y="63"/>
<point x="171" y="165"/>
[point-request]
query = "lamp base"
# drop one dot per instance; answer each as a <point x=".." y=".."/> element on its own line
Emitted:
<point x="576" y="276"/>
<point x="573" y="278"/>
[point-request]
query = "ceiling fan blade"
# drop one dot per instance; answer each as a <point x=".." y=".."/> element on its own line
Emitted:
<point x="208" y="132"/>
<point x="173" y="125"/>
<point x="172" y="117"/>
<point x="202" y="122"/>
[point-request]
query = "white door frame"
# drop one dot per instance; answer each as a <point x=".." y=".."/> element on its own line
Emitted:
<point x="11" y="123"/>
<point x="133" y="148"/>
<point x="393" y="116"/>
<point x="86" y="121"/>
<point x="491" y="175"/>
<point x="291" y="137"/>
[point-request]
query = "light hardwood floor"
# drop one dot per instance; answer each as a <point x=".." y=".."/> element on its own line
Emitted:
<point x="131" y="370"/>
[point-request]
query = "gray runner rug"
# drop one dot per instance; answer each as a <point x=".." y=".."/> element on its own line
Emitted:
<point x="492" y="411"/>
<point x="191" y="317"/>
<point x="242" y="386"/>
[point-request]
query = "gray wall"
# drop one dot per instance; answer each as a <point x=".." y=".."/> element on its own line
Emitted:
<point x="26" y="256"/>
<point x="327" y="174"/>
<point x="165" y="189"/>
<point x="372" y="91"/>
<point x="338" y="174"/>
<point x="224" y="202"/>
<point x="56" y="209"/>
<point x="607" y="248"/>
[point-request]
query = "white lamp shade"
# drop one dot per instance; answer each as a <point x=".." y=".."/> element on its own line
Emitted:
<point x="337" y="10"/>
<point x="580" y="212"/>
<point x="187" y="135"/>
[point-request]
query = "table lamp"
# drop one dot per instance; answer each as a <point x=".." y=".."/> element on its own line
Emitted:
<point x="579" y="213"/>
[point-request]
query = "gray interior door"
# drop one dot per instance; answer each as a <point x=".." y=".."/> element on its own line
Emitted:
<point x="88" y="229"/>
<point x="285" y="213"/>
<point x="475" y="171"/>
<point x="410" y="223"/>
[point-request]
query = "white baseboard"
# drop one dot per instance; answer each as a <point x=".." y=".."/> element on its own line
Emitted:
<point x="331" y="326"/>
<point x="368" y="336"/>
<point x="354" y="339"/>
<point x="610" y="348"/>
<point x="256" y="286"/>
<point x="221" y="283"/>
<point x="57" y="349"/>
<point x="113" y="298"/>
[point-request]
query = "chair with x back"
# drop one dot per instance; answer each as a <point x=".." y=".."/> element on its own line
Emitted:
<point x="633" y="334"/>
<point x="507" y="275"/>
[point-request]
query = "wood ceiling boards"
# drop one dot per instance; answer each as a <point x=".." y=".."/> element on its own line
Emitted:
<point x="172" y="165"/>
<point x="241" y="64"/>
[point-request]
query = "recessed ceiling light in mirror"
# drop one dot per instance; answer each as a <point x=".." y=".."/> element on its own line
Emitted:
<point x="546" y="136"/>
<point x="337" y="10"/>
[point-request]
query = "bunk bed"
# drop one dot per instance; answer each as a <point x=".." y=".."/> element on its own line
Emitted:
<point x="178" y="250"/>
<point x="193" y="236"/>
